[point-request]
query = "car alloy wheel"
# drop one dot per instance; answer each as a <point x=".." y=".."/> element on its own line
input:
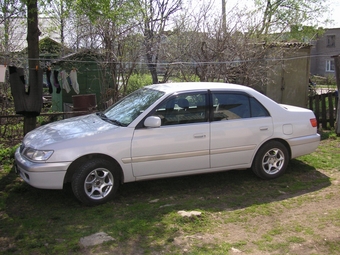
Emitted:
<point x="98" y="184"/>
<point x="95" y="181"/>
<point x="271" y="160"/>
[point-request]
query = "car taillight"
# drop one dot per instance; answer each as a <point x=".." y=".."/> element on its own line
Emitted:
<point x="314" y="122"/>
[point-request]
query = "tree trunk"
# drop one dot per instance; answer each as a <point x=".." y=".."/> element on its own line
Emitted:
<point x="337" y="76"/>
<point x="150" y="54"/>
<point x="153" y="70"/>
<point x="29" y="122"/>
<point x="34" y="96"/>
<point x="28" y="98"/>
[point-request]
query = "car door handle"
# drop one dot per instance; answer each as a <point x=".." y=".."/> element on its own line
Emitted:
<point x="263" y="128"/>
<point x="199" y="136"/>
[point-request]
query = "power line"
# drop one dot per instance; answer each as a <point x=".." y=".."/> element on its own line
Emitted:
<point x="237" y="61"/>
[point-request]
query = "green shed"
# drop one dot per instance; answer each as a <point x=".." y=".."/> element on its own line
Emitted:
<point x="82" y="67"/>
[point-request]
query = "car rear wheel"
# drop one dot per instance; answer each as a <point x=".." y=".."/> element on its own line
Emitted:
<point x="95" y="182"/>
<point x="271" y="160"/>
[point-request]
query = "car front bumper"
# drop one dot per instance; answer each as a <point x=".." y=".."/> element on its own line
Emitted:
<point x="41" y="175"/>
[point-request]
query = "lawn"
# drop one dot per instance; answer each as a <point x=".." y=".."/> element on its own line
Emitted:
<point x="298" y="213"/>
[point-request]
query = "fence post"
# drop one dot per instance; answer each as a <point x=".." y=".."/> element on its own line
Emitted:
<point x="323" y="111"/>
<point x="331" y="109"/>
<point x="337" y="76"/>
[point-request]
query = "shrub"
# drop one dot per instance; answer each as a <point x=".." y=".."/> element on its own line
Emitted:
<point x="7" y="154"/>
<point x="138" y="81"/>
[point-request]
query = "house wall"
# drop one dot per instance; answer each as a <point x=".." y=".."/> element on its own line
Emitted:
<point x="322" y="51"/>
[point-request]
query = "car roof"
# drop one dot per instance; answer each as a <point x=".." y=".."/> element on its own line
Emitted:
<point x="191" y="86"/>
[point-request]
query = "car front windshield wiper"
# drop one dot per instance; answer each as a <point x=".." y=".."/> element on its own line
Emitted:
<point x="105" y="118"/>
<point x="118" y="123"/>
<point x="101" y="115"/>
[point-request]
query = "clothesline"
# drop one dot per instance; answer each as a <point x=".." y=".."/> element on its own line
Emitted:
<point x="68" y="80"/>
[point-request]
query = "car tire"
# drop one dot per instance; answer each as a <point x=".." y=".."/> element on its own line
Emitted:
<point x="95" y="182"/>
<point x="271" y="160"/>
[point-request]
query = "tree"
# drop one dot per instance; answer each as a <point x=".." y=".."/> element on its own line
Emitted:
<point x="9" y="9"/>
<point x="11" y="15"/>
<point x="155" y="17"/>
<point x="56" y="13"/>
<point x="280" y="15"/>
<point x="29" y="102"/>
<point x="213" y="50"/>
<point x="114" y="25"/>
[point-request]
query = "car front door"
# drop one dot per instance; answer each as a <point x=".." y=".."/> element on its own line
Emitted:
<point x="239" y="124"/>
<point x="180" y="145"/>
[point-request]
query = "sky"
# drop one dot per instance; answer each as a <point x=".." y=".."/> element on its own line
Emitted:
<point x="333" y="13"/>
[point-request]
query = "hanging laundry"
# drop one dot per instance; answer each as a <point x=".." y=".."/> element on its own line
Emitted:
<point x="48" y="77"/>
<point x="56" y="82"/>
<point x="69" y="81"/>
<point x="64" y="81"/>
<point x="2" y="73"/>
<point x="73" y="77"/>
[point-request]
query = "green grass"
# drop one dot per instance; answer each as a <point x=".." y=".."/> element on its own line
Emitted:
<point x="325" y="157"/>
<point x="239" y="212"/>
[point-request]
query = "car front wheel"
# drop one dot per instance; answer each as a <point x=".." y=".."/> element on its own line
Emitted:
<point x="271" y="160"/>
<point x="95" y="182"/>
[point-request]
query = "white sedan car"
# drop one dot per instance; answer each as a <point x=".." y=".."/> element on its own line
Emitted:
<point x="163" y="131"/>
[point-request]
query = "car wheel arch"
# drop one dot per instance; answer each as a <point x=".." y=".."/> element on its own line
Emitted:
<point x="284" y="142"/>
<point x="74" y="165"/>
<point x="271" y="159"/>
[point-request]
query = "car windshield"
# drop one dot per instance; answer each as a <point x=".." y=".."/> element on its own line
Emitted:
<point x="130" y="107"/>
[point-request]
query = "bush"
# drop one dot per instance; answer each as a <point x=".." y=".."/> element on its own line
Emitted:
<point x="7" y="154"/>
<point x="138" y="81"/>
<point x="330" y="80"/>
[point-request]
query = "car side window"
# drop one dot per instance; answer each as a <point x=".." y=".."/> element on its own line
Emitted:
<point x="228" y="106"/>
<point x="257" y="109"/>
<point x="182" y="109"/>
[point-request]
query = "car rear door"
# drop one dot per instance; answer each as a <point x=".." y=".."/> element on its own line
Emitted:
<point x="180" y="145"/>
<point x="239" y="124"/>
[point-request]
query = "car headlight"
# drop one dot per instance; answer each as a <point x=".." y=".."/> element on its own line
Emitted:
<point x="37" y="155"/>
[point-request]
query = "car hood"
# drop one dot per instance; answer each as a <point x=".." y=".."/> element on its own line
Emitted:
<point x="73" y="128"/>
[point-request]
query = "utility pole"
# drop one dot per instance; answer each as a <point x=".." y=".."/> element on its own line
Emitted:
<point x="224" y="17"/>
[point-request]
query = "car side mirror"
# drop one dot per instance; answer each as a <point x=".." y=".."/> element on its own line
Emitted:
<point x="152" y="122"/>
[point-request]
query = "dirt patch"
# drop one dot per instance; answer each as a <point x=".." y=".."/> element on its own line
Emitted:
<point x="306" y="218"/>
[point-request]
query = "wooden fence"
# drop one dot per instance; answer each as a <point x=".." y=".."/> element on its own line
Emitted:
<point x="325" y="109"/>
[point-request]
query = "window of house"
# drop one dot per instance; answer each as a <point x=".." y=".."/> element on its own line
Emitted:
<point x="330" y="67"/>
<point x="330" y="40"/>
